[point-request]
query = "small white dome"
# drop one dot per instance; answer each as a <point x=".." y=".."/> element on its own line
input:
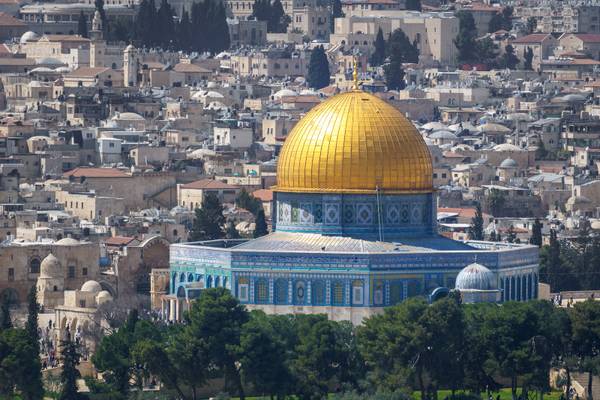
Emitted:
<point x="284" y="93"/>
<point x="68" y="242"/>
<point x="507" y="147"/>
<point x="91" y="286"/>
<point x="50" y="267"/>
<point x="128" y="116"/>
<point x="491" y="127"/>
<point x="434" y="126"/>
<point x="29" y="36"/>
<point x="49" y="61"/>
<point x="103" y="297"/>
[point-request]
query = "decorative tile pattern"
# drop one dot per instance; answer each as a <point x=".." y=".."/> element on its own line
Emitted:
<point x="318" y="213"/>
<point x="306" y="216"/>
<point x="393" y="214"/>
<point x="295" y="212"/>
<point x="404" y="214"/>
<point x="364" y="215"/>
<point x="349" y="210"/>
<point x="332" y="214"/>
<point x="286" y="212"/>
<point x="415" y="216"/>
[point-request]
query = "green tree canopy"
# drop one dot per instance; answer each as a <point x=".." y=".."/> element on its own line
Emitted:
<point x="476" y="228"/>
<point x="209" y="220"/>
<point x="465" y="40"/>
<point x="378" y="56"/>
<point x="318" y="69"/>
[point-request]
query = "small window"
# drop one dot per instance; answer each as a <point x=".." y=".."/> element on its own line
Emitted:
<point x="84" y="271"/>
<point x="11" y="274"/>
<point x="243" y="292"/>
<point x="71" y="273"/>
<point x="82" y="303"/>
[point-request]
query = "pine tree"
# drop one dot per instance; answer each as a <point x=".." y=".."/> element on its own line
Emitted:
<point x="476" y="228"/>
<point x="209" y="220"/>
<point x="260" y="228"/>
<point x="318" y="69"/>
<point x="536" y="233"/>
<point x="33" y="309"/>
<point x="70" y="374"/>
<point x="465" y="41"/>
<point x="82" y="25"/>
<point x="509" y="59"/>
<point x="378" y="56"/>
<point x="399" y="45"/>
<point x="5" y="318"/>
<point x="528" y="59"/>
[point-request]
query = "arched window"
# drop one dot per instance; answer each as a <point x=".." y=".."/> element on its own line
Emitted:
<point x="414" y="288"/>
<point x="337" y="293"/>
<point x="378" y="297"/>
<point x="318" y="293"/>
<point x="281" y="291"/>
<point x="243" y="289"/>
<point x="357" y="292"/>
<point x="217" y="281"/>
<point x="209" y="282"/>
<point x="523" y="287"/>
<point x="34" y="266"/>
<point x="513" y="288"/>
<point x="181" y="277"/>
<point x="300" y="293"/>
<point x="396" y="289"/>
<point x="190" y="277"/>
<point x="262" y="291"/>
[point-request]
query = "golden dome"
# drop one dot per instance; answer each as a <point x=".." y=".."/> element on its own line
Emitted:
<point x="354" y="143"/>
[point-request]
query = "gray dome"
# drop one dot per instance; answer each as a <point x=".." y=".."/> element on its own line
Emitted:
<point x="509" y="163"/>
<point x="475" y="277"/>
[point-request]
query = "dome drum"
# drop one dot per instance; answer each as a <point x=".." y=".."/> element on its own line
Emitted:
<point x="365" y="216"/>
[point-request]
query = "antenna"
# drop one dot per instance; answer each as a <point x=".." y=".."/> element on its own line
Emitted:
<point x="354" y="73"/>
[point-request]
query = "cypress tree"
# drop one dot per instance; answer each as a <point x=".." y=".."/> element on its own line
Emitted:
<point x="378" y="56"/>
<point x="318" y="69"/>
<point x="278" y="19"/>
<point x="476" y="228"/>
<point x="536" y="233"/>
<point x="70" y="374"/>
<point x="528" y="59"/>
<point x="231" y="232"/>
<point x="394" y="73"/>
<point x="260" y="228"/>
<point x="219" y="28"/>
<point x="184" y="32"/>
<point x="399" y="44"/>
<point x="32" y="325"/>
<point x="82" y="25"/>
<point x="165" y="25"/>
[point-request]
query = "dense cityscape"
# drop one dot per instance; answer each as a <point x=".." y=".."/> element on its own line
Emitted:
<point x="300" y="199"/>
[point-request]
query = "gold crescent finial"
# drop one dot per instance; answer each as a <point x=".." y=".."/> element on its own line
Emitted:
<point x="355" y="73"/>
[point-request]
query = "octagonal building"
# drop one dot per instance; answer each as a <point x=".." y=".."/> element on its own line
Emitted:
<point x="354" y="226"/>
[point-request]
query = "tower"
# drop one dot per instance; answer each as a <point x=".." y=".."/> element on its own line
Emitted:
<point x="130" y="66"/>
<point x="51" y="282"/>
<point x="98" y="44"/>
<point x="96" y="32"/>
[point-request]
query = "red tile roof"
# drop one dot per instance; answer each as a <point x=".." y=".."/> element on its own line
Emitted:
<point x="588" y="37"/>
<point x="119" y="240"/>
<point x="9" y="20"/>
<point x="96" y="173"/>
<point x="208" y="184"/>
<point x="533" y="38"/>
